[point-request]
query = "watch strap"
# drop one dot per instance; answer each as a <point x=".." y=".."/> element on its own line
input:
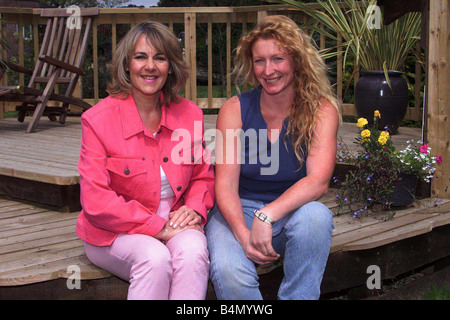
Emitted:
<point x="263" y="217"/>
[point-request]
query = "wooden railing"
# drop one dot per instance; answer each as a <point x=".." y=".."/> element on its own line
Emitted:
<point x="236" y="19"/>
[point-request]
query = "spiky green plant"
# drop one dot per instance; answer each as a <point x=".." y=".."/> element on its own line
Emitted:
<point x="348" y="23"/>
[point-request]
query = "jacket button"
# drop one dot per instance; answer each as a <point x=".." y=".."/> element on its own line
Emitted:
<point x="127" y="171"/>
<point x="179" y="188"/>
<point x="165" y="159"/>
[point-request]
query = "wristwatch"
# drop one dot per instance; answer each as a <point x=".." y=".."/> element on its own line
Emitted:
<point x="261" y="216"/>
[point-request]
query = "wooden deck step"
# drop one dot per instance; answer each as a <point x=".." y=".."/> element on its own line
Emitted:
<point x="38" y="244"/>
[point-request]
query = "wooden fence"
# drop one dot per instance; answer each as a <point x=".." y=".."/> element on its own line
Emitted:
<point x="234" y="19"/>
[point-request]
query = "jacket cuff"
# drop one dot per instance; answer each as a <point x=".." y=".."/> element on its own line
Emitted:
<point x="151" y="227"/>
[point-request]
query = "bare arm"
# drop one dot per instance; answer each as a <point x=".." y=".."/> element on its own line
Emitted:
<point x="319" y="169"/>
<point x="227" y="177"/>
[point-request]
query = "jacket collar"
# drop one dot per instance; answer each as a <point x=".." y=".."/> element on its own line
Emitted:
<point x="132" y="123"/>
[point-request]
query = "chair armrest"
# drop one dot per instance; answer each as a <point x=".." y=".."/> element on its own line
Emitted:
<point x="61" y="64"/>
<point x="16" y="67"/>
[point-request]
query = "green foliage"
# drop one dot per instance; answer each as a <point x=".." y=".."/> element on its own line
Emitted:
<point x="372" y="181"/>
<point x="209" y="3"/>
<point x="417" y="159"/>
<point x="85" y="3"/>
<point x="384" y="48"/>
<point x="377" y="167"/>
<point x="437" y="292"/>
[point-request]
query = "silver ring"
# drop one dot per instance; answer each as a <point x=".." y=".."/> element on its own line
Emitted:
<point x="186" y="212"/>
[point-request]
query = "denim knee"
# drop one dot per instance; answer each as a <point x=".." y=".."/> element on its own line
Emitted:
<point x="316" y="214"/>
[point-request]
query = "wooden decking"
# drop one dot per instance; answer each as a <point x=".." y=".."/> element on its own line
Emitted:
<point x="51" y="154"/>
<point x="38" y="242"/>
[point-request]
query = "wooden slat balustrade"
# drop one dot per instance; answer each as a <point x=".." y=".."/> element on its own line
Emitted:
<point x="235" y="18"/>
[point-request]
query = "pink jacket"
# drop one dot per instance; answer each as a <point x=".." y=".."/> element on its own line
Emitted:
<point x="119" y="168"/>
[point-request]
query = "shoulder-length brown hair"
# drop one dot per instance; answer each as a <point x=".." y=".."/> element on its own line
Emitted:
<point x="165" y="42"/>
<point x="311" y="84"/>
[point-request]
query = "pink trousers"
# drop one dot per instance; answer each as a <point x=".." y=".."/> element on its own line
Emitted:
<point x="177" y="270"/>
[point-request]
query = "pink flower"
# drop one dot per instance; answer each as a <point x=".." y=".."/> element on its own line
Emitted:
<point x="424" y="148"/>
<point x="439" y="159"/>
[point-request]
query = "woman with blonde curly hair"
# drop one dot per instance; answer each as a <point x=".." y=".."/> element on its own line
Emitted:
<point x="262" y="215"/>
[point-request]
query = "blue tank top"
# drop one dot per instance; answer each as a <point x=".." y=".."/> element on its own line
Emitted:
<point x="267" y="169"/>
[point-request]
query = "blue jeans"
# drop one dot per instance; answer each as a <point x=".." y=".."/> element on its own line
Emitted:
<point x="302" y="238"/>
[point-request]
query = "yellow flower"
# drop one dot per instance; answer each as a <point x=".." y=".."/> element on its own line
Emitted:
<point x="377" y="114"/>
<point x="383" y="138"/>
<point x="362" y="122"/>
<point x="384" y="134"/>
<point x="365" y="134"/>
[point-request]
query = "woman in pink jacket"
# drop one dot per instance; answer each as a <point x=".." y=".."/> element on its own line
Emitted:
<point x="146" y="182"/>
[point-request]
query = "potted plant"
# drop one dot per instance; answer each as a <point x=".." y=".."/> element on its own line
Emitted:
<point x="378" y="51"/>
<point x="382" y="177"/>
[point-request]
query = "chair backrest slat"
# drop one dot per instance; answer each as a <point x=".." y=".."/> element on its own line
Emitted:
<point x="74" y="49"/>
<point x="65" y="41"/>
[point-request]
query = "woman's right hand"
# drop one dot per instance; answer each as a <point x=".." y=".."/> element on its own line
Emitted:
<point x="169" y="232"/>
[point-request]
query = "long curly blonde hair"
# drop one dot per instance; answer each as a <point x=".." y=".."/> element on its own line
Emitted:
<point x="311" y="84"/>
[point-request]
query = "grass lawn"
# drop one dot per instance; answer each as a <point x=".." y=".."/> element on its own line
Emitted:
<point x="437" y="293"/>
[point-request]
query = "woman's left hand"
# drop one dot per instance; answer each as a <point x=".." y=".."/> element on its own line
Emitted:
<point x="184" y="216"/>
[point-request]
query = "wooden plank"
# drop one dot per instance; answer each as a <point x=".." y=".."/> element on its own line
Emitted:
<point x="16" y="208"/>
<point x="400" y="227"/>
<point x="37" y="243"/>
<point x="37" y="232"/>
<point x="35" y="255"/>
<point x="38" y="218"/>
<point x="51" y="271"/>
<point x="400" y="233"/>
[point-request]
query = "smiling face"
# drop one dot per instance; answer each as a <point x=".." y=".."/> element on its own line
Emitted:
<point x="148" y="70"/>
<point x="273" y="68"/>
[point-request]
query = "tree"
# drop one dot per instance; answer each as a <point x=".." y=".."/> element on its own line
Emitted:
<point x="210" y="3"/>
<point x="85" y="3"/>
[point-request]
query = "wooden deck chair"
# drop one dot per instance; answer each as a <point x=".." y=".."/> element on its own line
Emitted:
<point x="60" y="61"/>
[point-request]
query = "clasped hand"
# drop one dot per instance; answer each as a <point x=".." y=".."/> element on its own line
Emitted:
<point x="180" y="220"/>
<point x="259" y="248"/>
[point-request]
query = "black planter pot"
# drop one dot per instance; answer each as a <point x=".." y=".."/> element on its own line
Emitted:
<point x="372" y="93"/>
<point x="404" y="190"/>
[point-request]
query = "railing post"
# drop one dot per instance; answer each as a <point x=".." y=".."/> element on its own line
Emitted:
<point x="3" y="81"/>
<point x="95" y="60"/>
<point x="261" y="15"/>
<point x="21" y="50"/>
<point x="210" y="71"/>
<point x="228" y="66"/>
<point x="190" y="40"/>
<point x="437" y="97"/>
